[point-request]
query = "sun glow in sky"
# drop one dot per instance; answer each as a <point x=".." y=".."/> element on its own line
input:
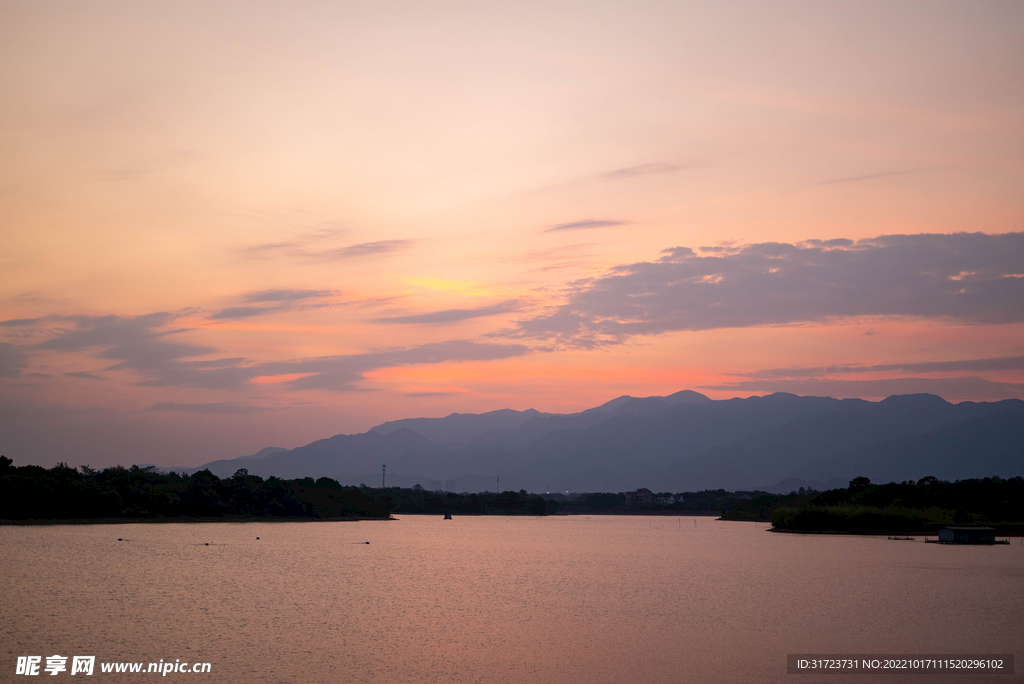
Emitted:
<point x="231" y="225"/>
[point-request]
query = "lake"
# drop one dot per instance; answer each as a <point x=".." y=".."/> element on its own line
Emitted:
<point x="562" y="599"/>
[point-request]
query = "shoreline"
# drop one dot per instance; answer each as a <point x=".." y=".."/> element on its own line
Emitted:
<point x="655" y="514"/>
<point x="160" y="521"/>
<point x="878" y="534"/>
<point x="280" y="519"/>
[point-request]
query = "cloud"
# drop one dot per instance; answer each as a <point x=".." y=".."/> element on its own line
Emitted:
<point x="277" y="300"/>
<point x="868" y="176"/>
<point x="217" y="407"/>
<point x="243" y="312"/>
<point x="583" y="225"/>
<point x="146" y="166"/>
<point x="452" y="315"/>
<point x="644" y="170"/>
<point x="366" y="249"/>
<point x="339" y="373"/>
<point x="218" y="363"/>
<point x="563" y="254"/>
<point x="835" y="242"/>
<point x="957" y="388"/>
<point x="1003" y="363"/>
<point x="141" y="344"/>
<point x="12" y="360"/>
<point x="271" y="249"/>
<point x="419" y="395"/>
<point x="132" y="341"/>
<point x="302" y="251"/>
<point x="965" y="277"/>
<point x="86" y="375"/>
<point x="623" y="174"/>
<point x="286" y="295"/>
<point x="335" y="373"/>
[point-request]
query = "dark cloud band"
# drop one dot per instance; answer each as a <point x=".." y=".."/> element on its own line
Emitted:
<point x="224" y="407"/>
<point x="585" y="224"/>
<point x="142" y="344"/>
<point x="1002" y="363"/>
<point x="12" y="360"/>
<point x="451" y="315"/>
<point x="643" y="170"/>
<point x="971" y="278"/>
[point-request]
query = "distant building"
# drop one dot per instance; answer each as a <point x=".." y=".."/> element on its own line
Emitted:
<point x="968" y="535"/>
<point x="640" y="497"/>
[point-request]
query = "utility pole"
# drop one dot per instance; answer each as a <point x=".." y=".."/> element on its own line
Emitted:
<point x="497" y="490"/>
<point x="383" y="474"/>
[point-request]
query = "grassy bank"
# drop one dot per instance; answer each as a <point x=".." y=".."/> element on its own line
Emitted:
<point x="895" y="508"/>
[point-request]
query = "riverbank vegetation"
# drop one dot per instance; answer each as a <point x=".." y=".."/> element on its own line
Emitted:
<point x="704" y="501"/>
<point x="421" y="501"/>
<point x="140" y="493"/>
<point x="66" y="493"/>
<point x="898" y="507"/>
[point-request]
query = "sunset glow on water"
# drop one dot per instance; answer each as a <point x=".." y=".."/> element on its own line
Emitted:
<point x="496" y="599"/>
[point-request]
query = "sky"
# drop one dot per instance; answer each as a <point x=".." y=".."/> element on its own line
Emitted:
<point x="232" y="225"/>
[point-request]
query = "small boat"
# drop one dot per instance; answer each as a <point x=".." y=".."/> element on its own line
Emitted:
<point x="447" y="516"/>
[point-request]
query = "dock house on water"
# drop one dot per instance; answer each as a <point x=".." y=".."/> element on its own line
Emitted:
<point x="967" y="535"/>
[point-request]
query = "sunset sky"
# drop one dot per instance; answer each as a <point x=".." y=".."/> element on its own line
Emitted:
<point x="232" y="225"/>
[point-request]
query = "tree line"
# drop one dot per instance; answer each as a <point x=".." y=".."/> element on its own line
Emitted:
<point x="706" y="500"/>
<point x="896" y="507"/>
<point x="66" y="493"/>
<point x="420" y="500"/>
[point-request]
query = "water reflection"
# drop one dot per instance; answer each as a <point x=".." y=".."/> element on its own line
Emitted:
<point x="561" y="599"/>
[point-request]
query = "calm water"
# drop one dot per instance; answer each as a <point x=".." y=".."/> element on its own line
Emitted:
<point x="534" y="600"/>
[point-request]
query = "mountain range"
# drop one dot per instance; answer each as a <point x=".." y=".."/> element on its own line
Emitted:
<point x="681" y="442"/>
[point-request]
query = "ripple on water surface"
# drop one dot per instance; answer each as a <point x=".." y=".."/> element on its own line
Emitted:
<point x="562" y="599"/>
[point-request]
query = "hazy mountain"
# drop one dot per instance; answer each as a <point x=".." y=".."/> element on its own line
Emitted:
<point x="266" y="452"/>
<point x="216" y="467"/>
<point x="835" y="444"/>
<point x="988" y="444"/>
<point x="341" y="457"/>
<point x="644" y="405"/>
<point x="684" y="441"/>
<point x="459" y="427"/>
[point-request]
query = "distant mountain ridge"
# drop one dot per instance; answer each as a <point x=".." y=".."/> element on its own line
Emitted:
<point x="459" y="427"/>
<point x="682" y="442"/>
